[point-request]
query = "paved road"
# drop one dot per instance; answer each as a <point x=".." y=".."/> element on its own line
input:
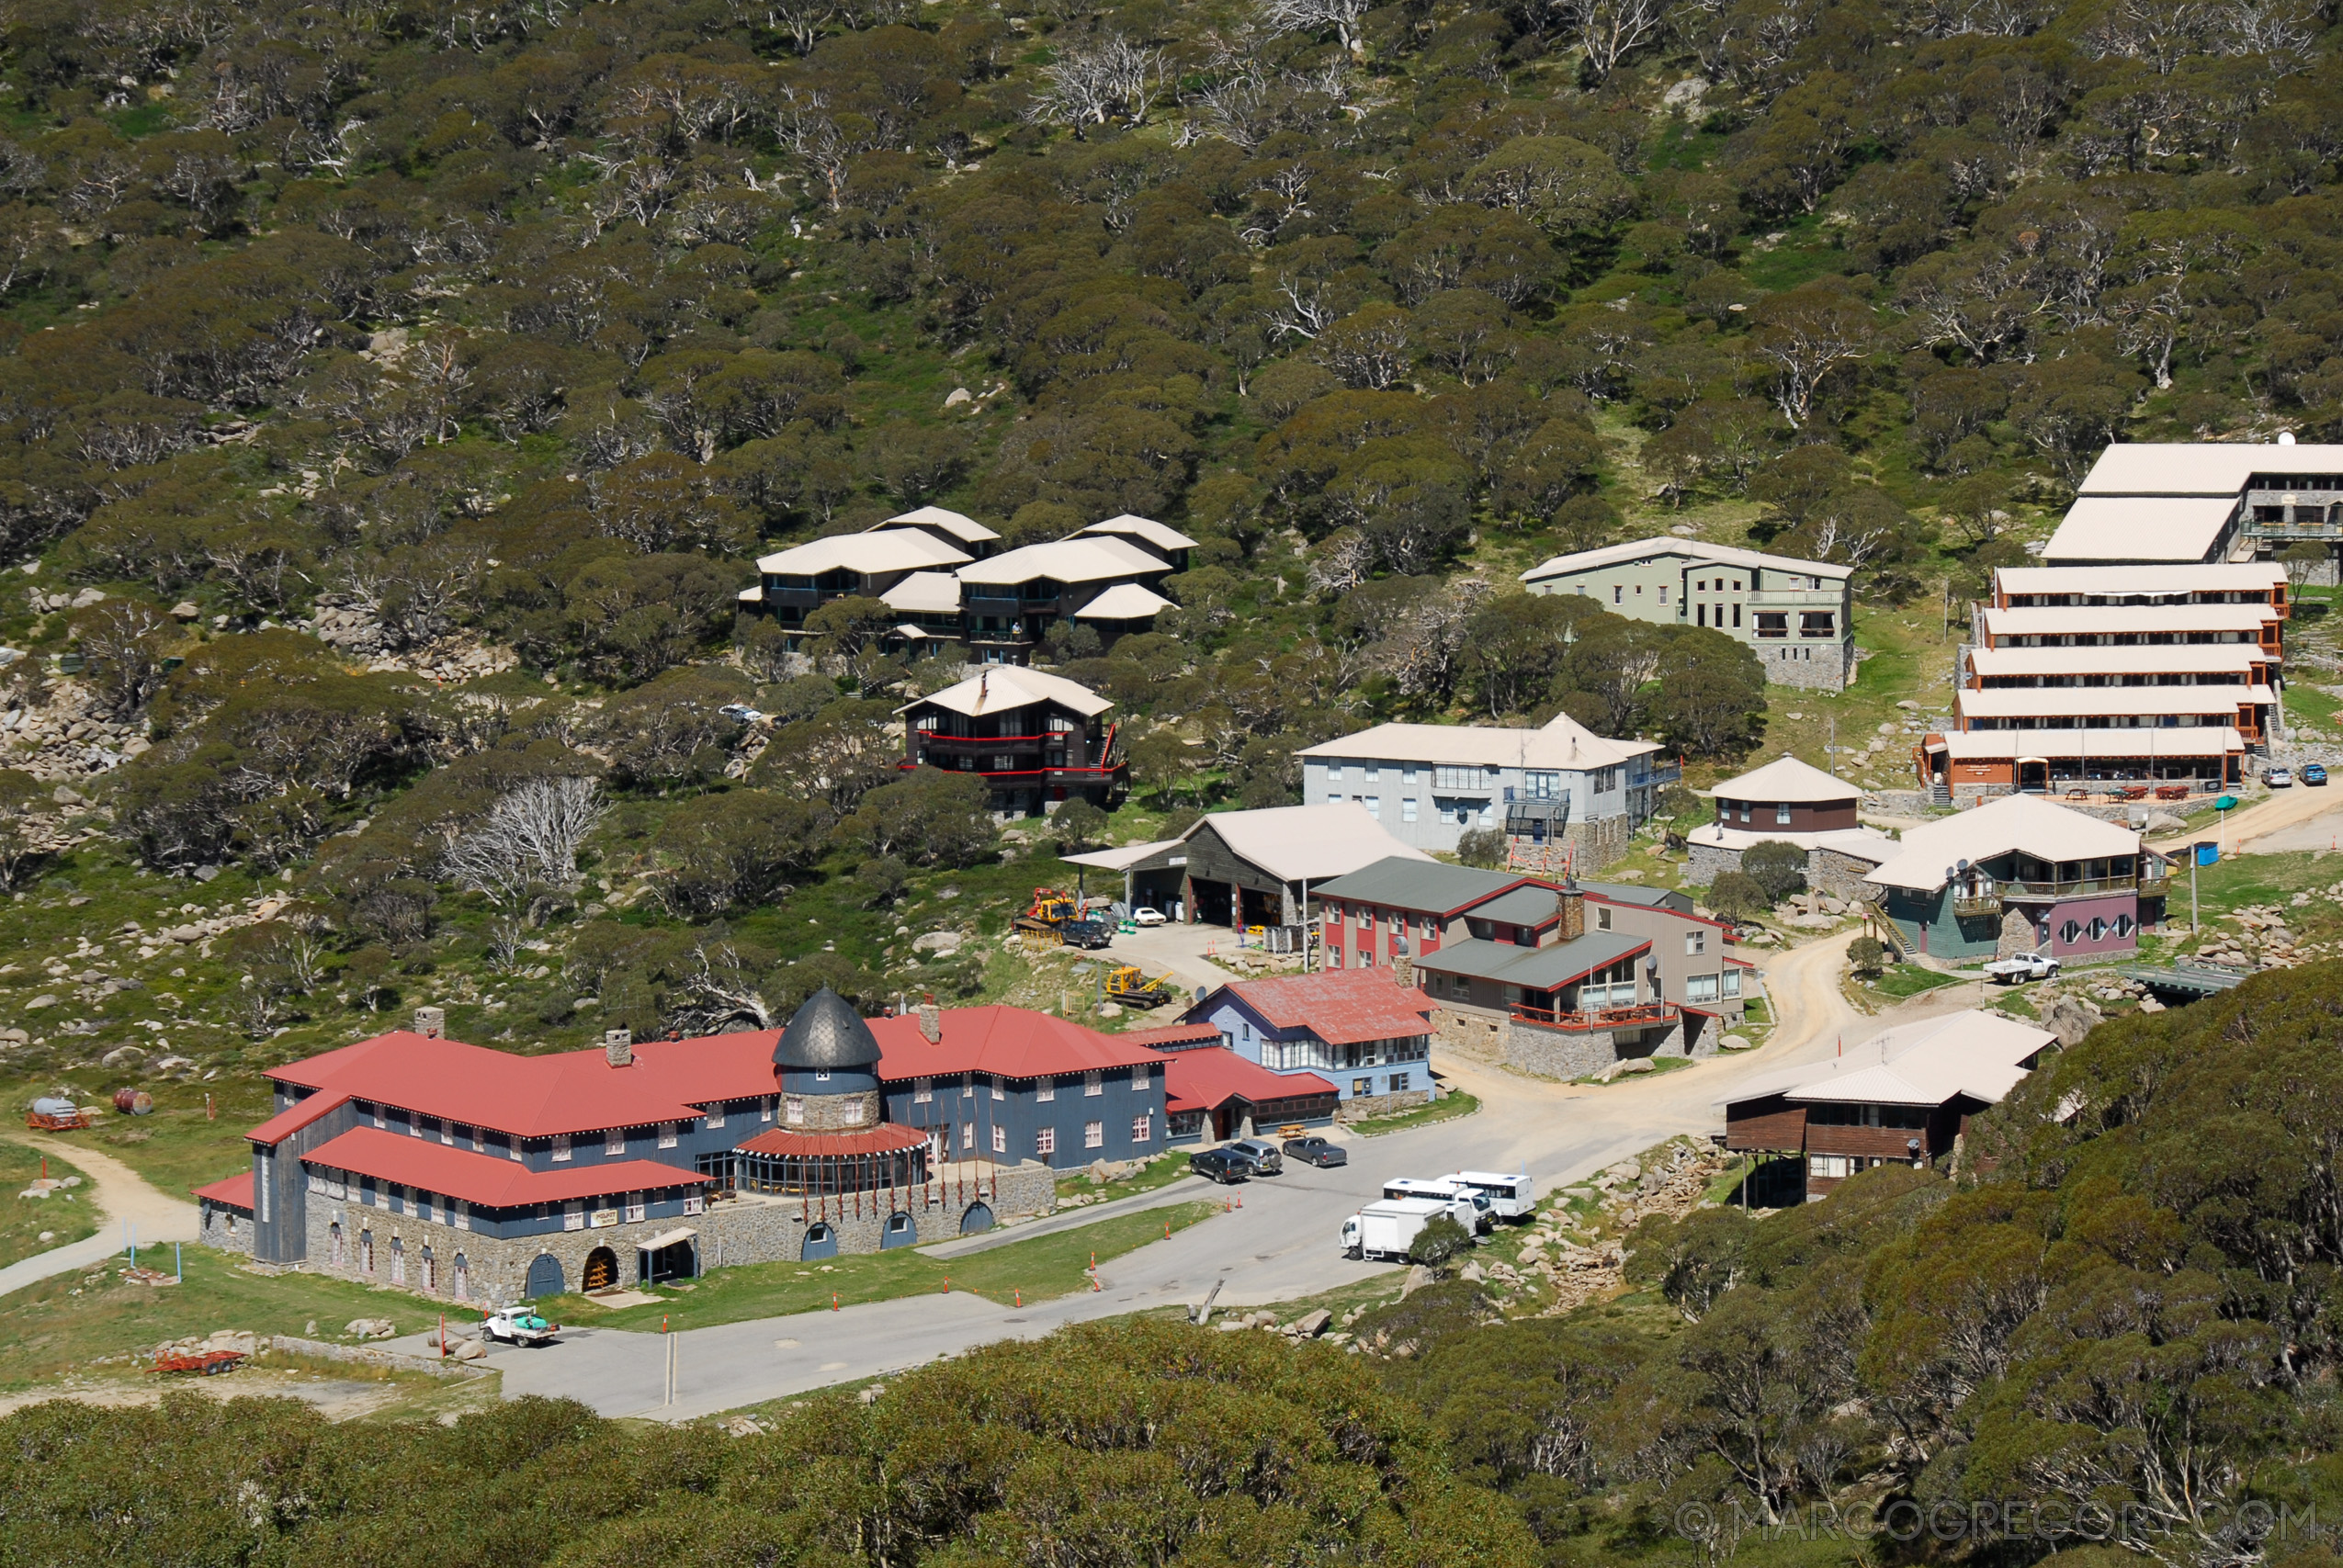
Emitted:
<point x="2311" y="820"/>
<point x="122" y="1195"/>
<point x="1282" y="1244"/>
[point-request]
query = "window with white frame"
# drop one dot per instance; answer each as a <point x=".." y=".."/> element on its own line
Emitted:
<point x="1699" y="988"/>
<point x="1695" y="942"/>
<point x="574" y="1216"/>
<point x="1093" y="1135"/>
<point x="967" y="1137"/>
<point x="1827" y="1165"/>
<point x="1602" y="919"/>
<point x="923" y="1092"/>
<point x="821" y="1074"/>
<point x="716" y="1116"/>
<point x="765" y="1108"/>
<point x="1732" y="983"/>
<point x="459" y="1214"/>
<point x="1408" y="773"/>
<point x="1044" y="1089"/>
<point x="1044" y="1142"/>
<point x="613" y="1141"/>
<point x="1094" y="1083"/>
<point x="448" y="1133"/>
<point x="560" y="1147"/>
<point x="1000" y="1139"/>
<point x="693" y="1203"/>
<point x="636" y="1207"/>
<point x="1333" y="797"/>
<point x="414" y="1125"/>
<point x="795" y="1114"/>
<point x="667" y="1135"/>
<point x="1143" y="1127"/>
<point x="1374" y="771"/>
<point x="376" y="1112"/>
<point x="999" y="1089"/>
<point x="1408" y="809"/>
<point x="968" y="1086"/>
<point x="1373" y="805"/>
<point x="1139" y="1075"/>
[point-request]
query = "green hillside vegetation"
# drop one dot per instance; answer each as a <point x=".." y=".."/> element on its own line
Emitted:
<point x="393" y="398"/>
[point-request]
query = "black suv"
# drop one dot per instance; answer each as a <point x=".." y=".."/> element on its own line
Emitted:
<point x="1223" y="1165"/>
<point x="1085" y="933"/>
<point x="1315" y="1150"/>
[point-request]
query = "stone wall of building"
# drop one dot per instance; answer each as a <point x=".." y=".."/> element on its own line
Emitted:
<point x="1596" y="843"/>
<point x="226" y="1229"/>
<point x="747" y="1229"/>
<point x="1819" y="666"/>
<point x="1580" y="1053"/>
<point x="1840" y="875"/>
<point x="1360" y="1107"/>
<point x="1703" y="863"/>
<point x="832" y="1113"/>
<point x="1472" y="1034"/>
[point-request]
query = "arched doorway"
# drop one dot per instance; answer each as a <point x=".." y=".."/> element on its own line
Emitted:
<point x="366" y="1252"/>
<point x="545" y="1276"/>
<point x="821" y="1242"/>
<point x="601" y="1271"/>
<point x="978" y="1218"/>
<point x="899" y="1232"/>
<point x="398" y="1260"/>
<point x="335" y="1230"/>
<point x="463" y="1280"/>
<point x="430" y="1272"/>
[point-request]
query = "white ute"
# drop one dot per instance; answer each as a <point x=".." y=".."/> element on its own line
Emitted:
<point x="518" y="1325"/>
<point x="2021" y="966"/>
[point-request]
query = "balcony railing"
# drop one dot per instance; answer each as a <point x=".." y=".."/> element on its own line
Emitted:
<point x="2079" y="887"/>
<point x="2154" y="884"/>
<point x="1643" y="1015"/>
<point x="1971" y="905"/>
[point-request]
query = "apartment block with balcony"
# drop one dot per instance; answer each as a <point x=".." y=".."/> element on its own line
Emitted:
<point x="2022" y="873"/>
<point x="792" y="584"/>
<point x="2206" y="503"/>
<point x="1037" y="739"/>
<point x="1797" y="616"/>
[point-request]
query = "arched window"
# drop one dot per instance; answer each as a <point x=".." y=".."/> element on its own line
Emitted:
<point x="335" y="1230"/>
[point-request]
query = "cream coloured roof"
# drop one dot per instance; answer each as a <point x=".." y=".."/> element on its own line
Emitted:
<point x="2104" y="620"/>
<point x="1787" y="780"/>
<point x="960" y="527"/>
<point x="924" y="594"/>
<point x="1000" y="687"/>
<point x="1296" y="844"/>
<point x="2202" y="468"/>
<point x="2047" y="702"/>
<point x="2141" y="581"/>
<point x="2141" y="528"/>
<point x="2025" y="823"/>
<point x="2133" y="659"/>
<point x="1859" y="843"/>
<point x="1980" y="1055"/>
<point x="1079" y="560"/>
<point x="1563" y="745"/>
<point x="894" y="549"/>
<point x="1124" y="602"/>
<point x="2149" y="741"/>
<point x="1147" y="530"/>
<point x="1697" y="549"/>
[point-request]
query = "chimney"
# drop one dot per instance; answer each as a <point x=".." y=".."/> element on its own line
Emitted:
<point x="1574" y="912"/>
<point x="931" y="1020"/>
<point x="431" y="1022"/>
<point x="619" y="1046"/>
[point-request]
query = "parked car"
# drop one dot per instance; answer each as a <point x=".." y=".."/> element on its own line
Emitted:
<point x="2021" y="966"/>
<point x="1265" y="1156"/>
<point x="1149" y="918"/>
<point x="1315" y="1150"/>
<point x="1086" y="933"/>
<point x="2279" y="778"/>
<point x="740" y="711"/>
<point x="2313" y="774"/>
<point x="1224" y="1166"/>
<point x="518" y="1325"/>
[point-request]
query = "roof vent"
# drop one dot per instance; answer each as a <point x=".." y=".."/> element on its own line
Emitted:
<point x="618" y="1045"/>
<point x="931" y="1020"/>
<point x="431" y="1022"/>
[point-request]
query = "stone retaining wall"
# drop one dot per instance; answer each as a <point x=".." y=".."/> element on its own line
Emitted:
<point x="365" y="1355"/>
<point x="1829" y="871"/>
<point x="1362" y="1107"/>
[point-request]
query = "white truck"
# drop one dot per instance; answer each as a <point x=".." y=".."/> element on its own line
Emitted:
<point x="518" y="1325"/>
<point x="1475" y="1212"/>
<point x="2022" y="966"/>
<point x="1509" y="1197"/>
<point x="1388" y="1228"/>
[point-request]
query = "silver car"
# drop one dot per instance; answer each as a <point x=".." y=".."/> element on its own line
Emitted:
<point x="1265" y="1157"/>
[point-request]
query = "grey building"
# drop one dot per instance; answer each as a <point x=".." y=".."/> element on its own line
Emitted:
<point x="1797" y="616"/>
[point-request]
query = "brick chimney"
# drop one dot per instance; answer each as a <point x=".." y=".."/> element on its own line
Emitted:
<point x="619" y="1046"/>
<point x="931" y="1020"/>
<point x="1574" y="912"/>
<point x="431" y="1022"/>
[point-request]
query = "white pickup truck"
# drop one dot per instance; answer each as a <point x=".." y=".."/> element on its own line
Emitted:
<point x="518" y="1325"/>
<point x="2021" y="966"/>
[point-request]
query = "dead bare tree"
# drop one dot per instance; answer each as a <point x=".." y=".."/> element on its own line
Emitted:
<point x="1316" y="16"/>
<point x="1096" y="79"/>
<point x="525" y="849"/>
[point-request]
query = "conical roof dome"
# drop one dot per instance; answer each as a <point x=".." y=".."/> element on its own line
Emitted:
<point x="826" y="1033"/>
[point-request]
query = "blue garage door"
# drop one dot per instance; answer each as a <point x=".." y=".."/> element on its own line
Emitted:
<point x="978" y="1218"/>
<point x="821" y="1242"/>
<point x="545" y="1276"/>
<point x="899" y="1232"/>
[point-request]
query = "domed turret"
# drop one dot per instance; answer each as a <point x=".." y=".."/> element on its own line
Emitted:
<point x="826" y="1035"/>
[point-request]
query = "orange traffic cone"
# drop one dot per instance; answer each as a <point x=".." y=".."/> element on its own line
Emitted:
<point x="833" y="1301"/>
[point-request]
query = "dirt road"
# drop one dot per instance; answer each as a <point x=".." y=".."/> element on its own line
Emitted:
<point x="121" y="1196"/>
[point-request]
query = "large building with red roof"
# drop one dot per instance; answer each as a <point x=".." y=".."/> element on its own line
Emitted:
<point x="1359" y="1031"/>
<point x="478" y="1175"/>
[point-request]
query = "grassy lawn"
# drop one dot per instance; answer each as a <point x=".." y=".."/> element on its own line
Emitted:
<point x="1161" y="1171"/>
<point x="51" y="1328"/>
<point x="1038" y="1270"/>
<point x="1453" y="1103"/>
<point x="66" y="1217"/>
<point x="1902" y="980"/>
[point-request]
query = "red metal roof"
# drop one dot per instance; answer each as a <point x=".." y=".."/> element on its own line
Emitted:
<point x="483" y="1178"/>
<point x="296" y="1116"/>
<point x="1173" y="1035"/>
<point x="886" y="1138"/>
<point x="235" y="1193"/>
<point x="1341" y="1007"/>
<point x="537" y="1097"/>
<point x="1011" y="1043"/>
<point x="1209" y="1078"/>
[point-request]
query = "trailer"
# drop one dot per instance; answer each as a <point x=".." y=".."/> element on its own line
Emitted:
<point x="1509" y="1197"/>
<point x="202" y="1363"/>
<point x="1386" y="1229"/>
